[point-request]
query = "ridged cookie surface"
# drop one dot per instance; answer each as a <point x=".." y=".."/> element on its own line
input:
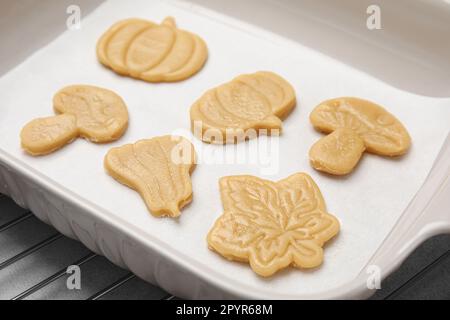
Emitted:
<point x="151" y="52"/>
<point x="159" y="169"/>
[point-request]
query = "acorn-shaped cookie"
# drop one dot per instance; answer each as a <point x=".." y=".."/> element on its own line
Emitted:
<point x="355" y="125"/>
<point x="151" y="52"/>
<point x="241" y="109"/>
<point x="158" y="169"/>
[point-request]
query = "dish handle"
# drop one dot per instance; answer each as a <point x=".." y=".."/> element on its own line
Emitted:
<point x="427" y="215"/>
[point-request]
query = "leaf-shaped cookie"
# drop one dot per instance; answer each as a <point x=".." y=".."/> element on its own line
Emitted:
<point x="272" y="224"/>
<point x="382" y="133"/>
<point x="151" y="52"/>
<point x="90" y="112"/>
<point x="235" y="110"/>
<point x="159" y="169"/>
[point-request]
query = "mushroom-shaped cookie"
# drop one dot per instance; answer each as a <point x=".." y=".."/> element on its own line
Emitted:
<point x="151" y="52"/>
<point x="94" y="113"/>
<point x="158" y="169"/>
<point x="355" y="125"/>
<point x="238" y="110"/>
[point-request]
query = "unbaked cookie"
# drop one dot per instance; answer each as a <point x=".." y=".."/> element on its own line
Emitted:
<point x="272" y="225"/>
<point x="159" y="169"/>
<point x="94" y="113"/>
<point x="380" y="132"/>
<point x="151" y="52"/>
<point x="337" y="153"/>
<point x="248" y="105"/>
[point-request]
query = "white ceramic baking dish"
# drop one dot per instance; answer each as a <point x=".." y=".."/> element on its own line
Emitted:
<point x="386" y="207"/>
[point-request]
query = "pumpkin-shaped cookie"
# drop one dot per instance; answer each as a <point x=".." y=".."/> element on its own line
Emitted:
<point x="360" y="125"/>
<point x="151" y="52"/>
<point x="90" y="112"/>
<point x="242" y="108"/>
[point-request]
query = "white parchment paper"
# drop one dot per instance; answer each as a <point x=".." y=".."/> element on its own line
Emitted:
<point x="368" y="202"/>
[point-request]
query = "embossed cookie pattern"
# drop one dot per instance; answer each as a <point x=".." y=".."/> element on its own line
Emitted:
<point x="252" y="101"/>
<point x="94" y="113"/>
<point x="151" y="52"/>
<point x="379" y="130"/>
<point x="158" y="169"/>
<point x="272" y="225"/>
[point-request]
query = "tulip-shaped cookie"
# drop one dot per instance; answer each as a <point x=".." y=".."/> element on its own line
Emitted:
<point x="158" y="169"/>
<point x="242" y="108"/>
<point x="94" y="113"/>
<point x="151" y="52"/>
<point x="272" y="225"/>
<point x="356" y="126"/>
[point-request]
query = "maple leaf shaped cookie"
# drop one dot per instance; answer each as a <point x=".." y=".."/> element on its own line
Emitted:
<point x="272" y="225"/>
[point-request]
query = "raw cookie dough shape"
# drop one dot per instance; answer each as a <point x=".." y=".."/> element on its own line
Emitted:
<point x="337" y="153"/>
<point x="233" y="111"/>
<point x="380" y="132"/>
<point x="94" y="113"/>
<point x="158" y="169"/>
<point x="151" y="52"/>
<point x="272" y="225"/>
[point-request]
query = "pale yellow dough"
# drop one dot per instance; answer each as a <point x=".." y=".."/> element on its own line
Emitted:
<point x="337" y="153"/>
<point x="94" y="113"/>
<point x="45" y="135"/>
<point x="272" y="225"/>
<point x="151" y="52"/>
<point x="247" y="106"/>
<point x="380" y="132"/>
<point x="158" y="169"/>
